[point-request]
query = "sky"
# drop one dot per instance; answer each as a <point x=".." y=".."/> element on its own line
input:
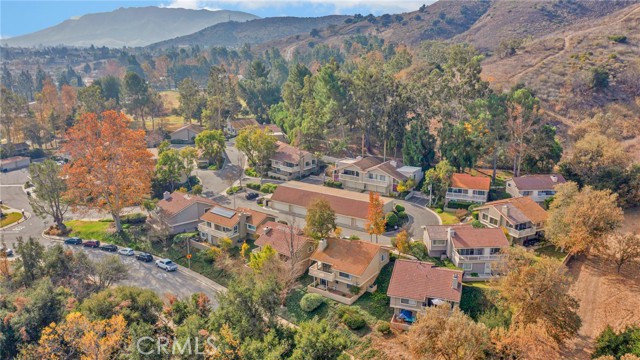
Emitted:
<point x="18" y="17"/>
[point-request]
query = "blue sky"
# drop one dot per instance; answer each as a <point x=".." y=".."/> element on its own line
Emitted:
<point x="19" y="17"/>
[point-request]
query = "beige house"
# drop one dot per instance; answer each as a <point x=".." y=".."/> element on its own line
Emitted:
<point x="416" y="285"/>
<point x="14" y="163"/>
<point x="477" y="251"/>
<point x="179" y="212"/>
<point x="289" y="162"/>
<point x="186" y="134"/>
<point x="289" y="242"/>
<point x="523" y="218"/>
<point x="372" y="174"/>
<point x="235" y="126"/>
<point x="294" y="198"/>
<point x="467" y="188"/>
<point x="343" y="270"/>
<point x="237" y="225"/>
<point x="539" y="187"/>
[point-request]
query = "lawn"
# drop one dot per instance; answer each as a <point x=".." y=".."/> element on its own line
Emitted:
<point x="551" y="251"/>
<point x="10" y="218"/>
<point x="97" y="230"/>
<point x="448" y="218"/>
<point x="476" y="299"/>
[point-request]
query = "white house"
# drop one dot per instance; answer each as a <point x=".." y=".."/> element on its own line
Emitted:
<point x="539" y="187"/>
<point x="522" y="217"/>
<point x="467" y="188"/>
<point x="289" y="162"/>
<point x="186" y="134"/>
<point x="372" y="174"/>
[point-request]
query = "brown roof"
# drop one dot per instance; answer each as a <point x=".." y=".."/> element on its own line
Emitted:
<point x="214" y="218"/>
<point x="243" y="123"/>
<point x="470" y="237"/>
<point x="278" y="237"/>
<point x="286" y="152"/>
<point x="179" y="201"/>
<point x="343" y="202"/>
<point x="391" y="170"/>
<point x="538" y="182"/>
<point x="367" y="162"/>
<point x="466" y="181"/>
<point x="439" y="232"/>
<point x="255" y="217"/>
<point x="521" y="209"/>
<point x="272" y="127"/>
<point x="417" y="280"/>
<point x="192" y="127"/>
<point x="349" y="256"/>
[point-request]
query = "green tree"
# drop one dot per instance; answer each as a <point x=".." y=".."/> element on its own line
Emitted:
<point x="317" y="340"/>
<point x="222" y="98"/>
<point x="258" y="146"/>
<point x="439" y="178"/>
<point x="29" y="265"/>
<point x="170" y="167"/>
<point x="546" y="153"/>
<point x="188" y="155"/>
<point x="211" y="143"/>
<point x="135" y="304"/>
<point x="320" y="219"/>
<point x="258" y="92"/>
<point x="418" y="146"/>
<point x="491" y="110"/>
<point x="91" y="100"/>
<point x="136" y="91"/>
<point x="524" y="117"/>
<point x="49" y="189"/>
<point x="617" y="344"/>
<point x="189" y="96"/>
<point x="14" y="107"/>
<point x="258" y="259"/>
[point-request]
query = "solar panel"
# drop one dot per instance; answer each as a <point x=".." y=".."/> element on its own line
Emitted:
<point x="223" y="212"/>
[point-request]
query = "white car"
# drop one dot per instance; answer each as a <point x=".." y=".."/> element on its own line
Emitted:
<point x="126" y="252"/>
<point x="166" y="265"/>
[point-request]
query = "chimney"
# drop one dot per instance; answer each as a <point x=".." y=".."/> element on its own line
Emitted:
<point x="322" y="244"/>
<point x="267" y="229"/>
<point x="505" y="210"/>
<point x="451" y="233"/>
<point x="166" y="195"/>
<point x="393" y="163"/>
<point x="554" y="178"/>
<point x="454" y="282"/>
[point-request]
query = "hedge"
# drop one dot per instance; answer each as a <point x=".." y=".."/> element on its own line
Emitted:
<point x="399" y="208"/>
<point x="310" y="302"/>
<point x="392" y="219"/>
<point x="268" y="188"/>
<point x="333" y="184"/>
<point x="402" y="215"/>
<point x="134" y="219"/>
<point x="459" y="204"/>
<point x="253" y="186"/>
<point x="383" y="327"/>
<point x="251" y="172"/>
<point x="234" y="189"/>
<point x="351" y="317"/>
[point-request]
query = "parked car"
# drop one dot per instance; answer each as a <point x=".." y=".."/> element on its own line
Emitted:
<point x="126" y="252"/>
<point x="73" y="241"/>
<point x="143" y="256"/>
<point x="109" y="247"/>
<point x="8" y="252"/>
<point x="251" y="196"/>
<point x="91" y="243"/>
<point x="166" y="265"/>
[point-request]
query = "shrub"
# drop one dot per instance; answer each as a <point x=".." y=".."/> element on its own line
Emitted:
<point x="213" y="167"/>
<point x="333" y="184"/>
<point x="599" y="78"/>
<point x="253" y="186"/>
<point x="459" y="204"/>
<point x="383" y="327"/>
<point x="234" y="189"/>
<point x="402" y="215"/>
<point x="439" y="211"/>
<point x="134" y="219"/>
<point x="310" y="302"/>
<point x="36" y="153"/>
<point x="196" y="189"/>
<point x="355" y="290"/>
<point x="477" y="224"/>
<point x="618" y="38"/>
<point x="392" y="219"/>
<point x="399" y="208"/>
<point x="251" y="172"/>
<point x="268" y="188"/>
<point x="354" y="320"/>
<point x="473" y="207"/>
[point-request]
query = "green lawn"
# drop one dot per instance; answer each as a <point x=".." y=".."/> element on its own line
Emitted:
<point x="10" y="218"/>
<point x="448" y="218"/>
<point x="476" y="299"/>
<point x="551" y="251"/>
<point x="97" y="230"/>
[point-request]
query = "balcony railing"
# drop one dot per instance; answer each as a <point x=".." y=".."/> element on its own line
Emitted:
<point x="466" y="197"/>
<point x="522" y="233"/>
<point x="316" y="271"/>
<point x="375" y="181"/>
<point x="350" y="177"/>
<point x="496" y="257"/>
<point x="209" y="230"/>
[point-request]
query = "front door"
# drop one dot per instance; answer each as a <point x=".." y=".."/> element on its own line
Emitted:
<point x="487" y="268"/>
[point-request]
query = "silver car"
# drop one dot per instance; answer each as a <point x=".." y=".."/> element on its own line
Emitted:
<point x="166" y="265"/>
<point x="126" y="252"/>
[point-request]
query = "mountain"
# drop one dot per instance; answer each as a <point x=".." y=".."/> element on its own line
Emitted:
<point x="236" y="34"/>
<point x="137" y="26"/>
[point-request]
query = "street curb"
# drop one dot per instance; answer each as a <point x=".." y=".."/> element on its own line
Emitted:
<point x="436" y="214"/>
<point x="27" y="216"/>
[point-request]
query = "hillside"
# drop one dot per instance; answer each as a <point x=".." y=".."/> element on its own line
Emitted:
<point x="127" y="27"/>
<point x="236" y="34"/>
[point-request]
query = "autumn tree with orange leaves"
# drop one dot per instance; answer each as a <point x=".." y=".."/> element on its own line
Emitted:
<point x="111" y="167"/>
<point x="376" y="221"/>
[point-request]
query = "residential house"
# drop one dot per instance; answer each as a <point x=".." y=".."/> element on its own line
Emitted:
<point x="477" y="251"/>
<point x="294" y="198"/>
<point x="14" y="163"/>
<point x="237" y="225"/>
<point x="235" y="126"/>
<point x="523" y="218"/>
<point x="467" y="188"/>
<point x="539" y="187"/>
<point x="416" y="285"/>
<point x="372" y="174"/>
<point x="288" y="162"/>
<point x="289" y="242"/>
<point x="343" y="270"/>
<point x="179" y="212"/>
<point x="186" y="134"/>
<point x="15" y="149"/>
<point x="275" y="131"/>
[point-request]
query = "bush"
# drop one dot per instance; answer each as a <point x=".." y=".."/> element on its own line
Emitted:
<point x="392" y="219"/>
<point x="354" y="321"/>
<point x="196" y="189"/>
<point x="251" y="172"/>
<point x="213" y="167"/>
<point x="618" y="38"/>
<point x="399" y="208"/>
<point x="36" y="153"/>
<point x="133" y="219"/>
<point x="333" y="184"/>
<point x="439" y="211"/>
<point x="253" y="186"/>
<point x="599" y="78"/>
<point x="459" y="204"/>
<point x="383" y="328"/>
<point x="402" y="215"/>
<point x="268" y="188"/>
<point x="473" y="207"/>
<point x="310" y="302"/>
<point x="234" y="189"/>
<point x="477" y="224"/>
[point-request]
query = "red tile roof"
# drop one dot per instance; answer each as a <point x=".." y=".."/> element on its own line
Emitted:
<point x="466" y="181"/>
<point x="349" y="256"/>
<point x="179" y="201"/>
<point x="228" y="222"/>
<point x="255" y="217"/>
<point x="538" y="182"/>
<point x="419" y="280"/>
<point x="279" y="238"/>
<point x="465" y="237"/>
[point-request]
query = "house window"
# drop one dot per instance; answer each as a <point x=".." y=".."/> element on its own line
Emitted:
<point x="344" y="275"/>
<point x="208" y="224"/>
<point x="470" y="252"/>
<point x="523" y="226"/>
<point x="467" y="266"/>
<point x="546" y="193"/>
<point x="235" y="229"/>
<point x="350" y="173"/>
<point x="485" y="216"/>
<point x="313" y="162"/>
<point x="526" y="193"/>
<point x="438" y="242"/>
<point x="493" y="221"/>
<point x="382" y="257"/>
<point x="306" y="163"/>
<point x="382" y="178"/>
<point x="251" y="227"/>
<point x="310" y="249"/>
<point x="408" y="302"/>
<point x="457" y="191"/>
<point x="495" y="251"/>
<point x="479" y="192"/>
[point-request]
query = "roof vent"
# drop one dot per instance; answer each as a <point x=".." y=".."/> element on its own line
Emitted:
<point x="505" y="210"/>
<point x="554" y="178"/>
<point x="166" y="195"/>
<point x="451" y="232"/>
<point x="267" y="229"/>
<point x="322" y="244"/>
<point x="393" y="163"/>
<point x="454" y="282"/>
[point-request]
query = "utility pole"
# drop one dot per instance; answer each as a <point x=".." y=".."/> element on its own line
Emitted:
<point x="189" y="252"/>
<point x="430" y="196"/>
